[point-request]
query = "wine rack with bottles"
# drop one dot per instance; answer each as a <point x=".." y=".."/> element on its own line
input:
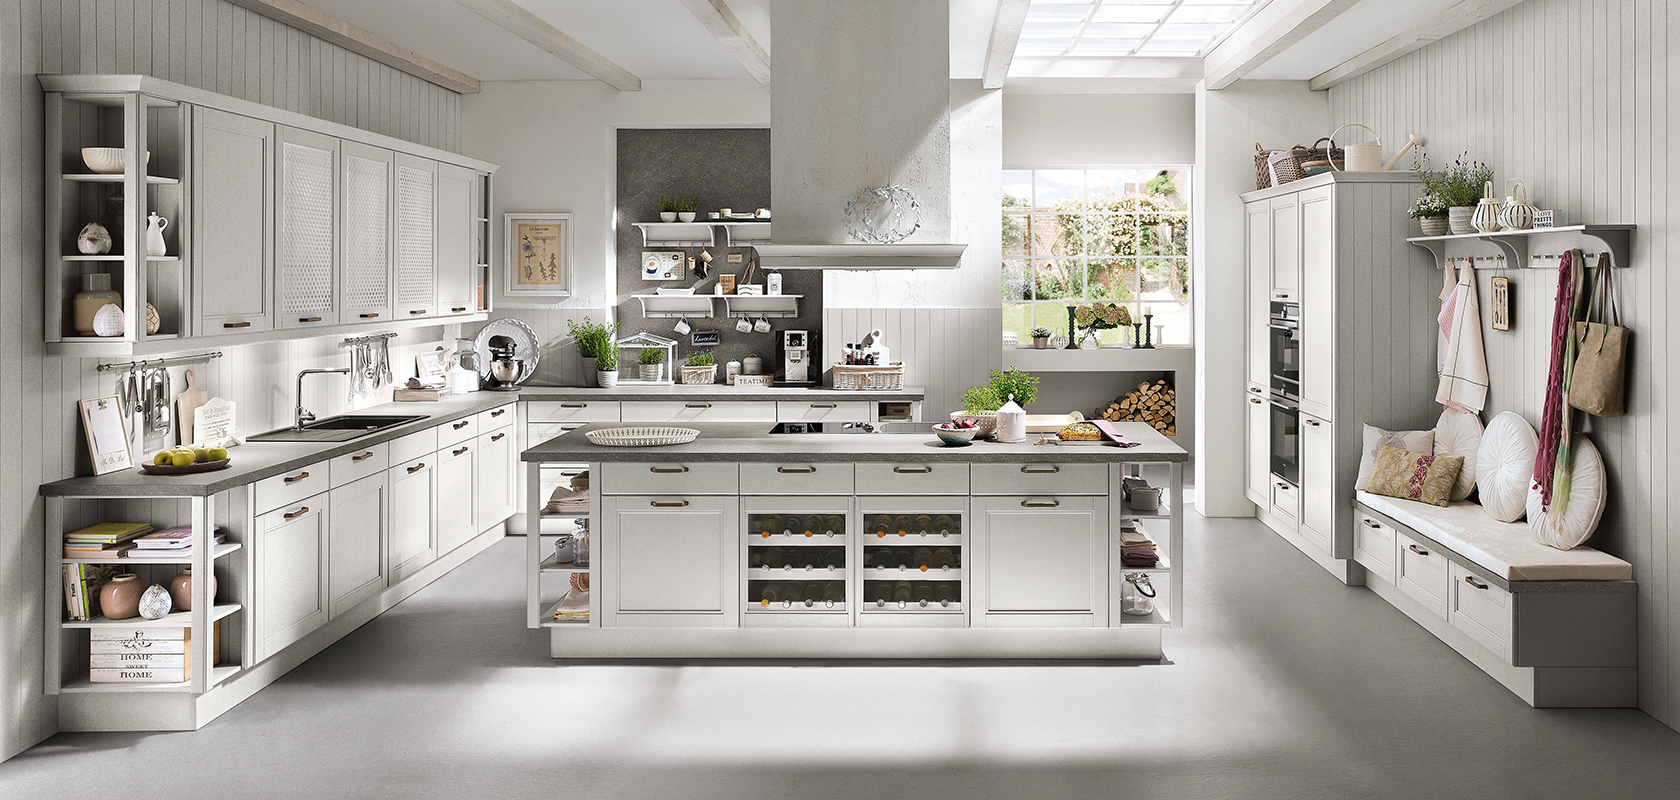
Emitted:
<point x="797" y="560"/>
<point x="911" y="562"/>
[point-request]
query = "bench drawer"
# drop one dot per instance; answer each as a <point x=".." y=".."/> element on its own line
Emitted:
<point x="414" y="445"/>
<point x="1481" y="610"/>
<point x="830" y="411"/>
<point x="352" y="467"/>
<point x="1373" y="545"/>
<point x="910" y="478"/>
<point x="1040" y="478"/>
<point x="456" y="432"/>
<point x="499" y="417"/>
<point x="670" y="477"/>
<point x="571" y="411"/>
<point x="1422" y="574"/>
<point x="700" y="411"/>
<point x="289" y="488"/>
<point x="796" y="478"/>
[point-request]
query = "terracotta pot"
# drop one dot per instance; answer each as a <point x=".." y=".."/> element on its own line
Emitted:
<point x="120" y="599"/>
<point x="180" y="589"/>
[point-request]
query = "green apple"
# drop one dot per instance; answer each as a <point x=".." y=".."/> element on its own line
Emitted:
<point x="162" y="459"/>
<point x="181" y="458"/>
<point x="218" y="454"/>
<point x="201" y="453"/>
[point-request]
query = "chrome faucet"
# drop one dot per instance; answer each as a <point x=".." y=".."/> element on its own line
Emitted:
<point x="303" y="414"/>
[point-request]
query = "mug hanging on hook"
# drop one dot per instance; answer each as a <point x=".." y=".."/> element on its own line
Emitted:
<point x="744" y="325"/>
<point x="763" y="325"/>
<point x="682" y="327"/>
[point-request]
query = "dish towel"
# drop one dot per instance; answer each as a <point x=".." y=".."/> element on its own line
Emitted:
<point x="1464" y="372"/>
<point x="1554" y="464"/>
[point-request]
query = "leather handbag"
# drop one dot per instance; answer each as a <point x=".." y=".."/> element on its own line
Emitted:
<point x="1597" y="386"/>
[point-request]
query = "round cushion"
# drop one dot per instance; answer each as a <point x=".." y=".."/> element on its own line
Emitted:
<point x="1460" y="434"/>
<point x="1505" y="466"/>
<point x="1588" y="492"/>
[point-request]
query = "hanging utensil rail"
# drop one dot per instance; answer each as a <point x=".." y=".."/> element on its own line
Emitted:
<point x="158" y="362"/>
<point x="368" y="339"/>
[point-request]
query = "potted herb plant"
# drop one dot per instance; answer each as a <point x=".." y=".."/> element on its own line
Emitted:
<point x="597" y="341"/>
<point x="668" y="207"/>
<point x="980" y="403"/>
<point x="1459" y="186"/>
<point x="701" y="368"/>
<point x="1041" y="338"/>
<point x="653" y="364"/>
<point x="686" y="206"/>
<point x="1431" y="213"/>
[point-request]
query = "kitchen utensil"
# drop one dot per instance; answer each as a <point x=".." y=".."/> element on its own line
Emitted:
<point x="744" y="325"/>
<point x="682" y="327"/>
<point x="186" y="469"/>
<point x="953" y="436"/>
<point x="1012" y="422"/>
<point x="796" y="356"/>
<point x="1360" y="157"/>
<point x="385" y="377"/>
<point x="527" y="347"/>
<point x="160" y="416"/>
<point x="187" y="404"/>
<point x="507" y="370"/>
<point x="154" y="235"/>
<point x="773" y="283"/>
<point x="726" y="211"/>
<point x="763" y="213"/>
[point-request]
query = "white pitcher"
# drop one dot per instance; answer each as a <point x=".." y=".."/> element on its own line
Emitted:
<point x="154" y="235"/>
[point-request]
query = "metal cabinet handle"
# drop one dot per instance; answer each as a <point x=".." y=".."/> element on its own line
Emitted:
<point x="1312" y="422"/>
<point x="298" y="477"/>
<point x="1414" y="548"/>
<point x="912" y="470"/>
<point x="824" y="405"/>
<point x="368" y="316"/>
<point x="417" y="468"/>
<point x="418" y="311"/>
<point x="309" y="319"/>
<point x="796" y="470"/>
<point x="697" y="405"/>
<point x="1475" y="583"/>
<point x="678" y="504"/>
<point x="1254" y="389"/>
<point x="1282" y="297"/>
<point x="457" y="309"/>
<point x="497" y="437"/>
<point x="458" y="452"/>
<point x="462" y="424"/>
<point x="236" y="324"/>
<point x="1369" y="524"/>
<point x="667" y="470"/>
<point x="1051" y="471"/>
<point x="295" y="514"/>
<point x="1031" y="504"/>
<point x="1284" y="486"/>
<point x="498" y="412"/>
<point x="362" y="457"/>
<point x="1254" y="400"/>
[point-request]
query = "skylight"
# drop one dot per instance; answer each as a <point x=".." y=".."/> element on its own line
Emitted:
<point x="1109" y="28"/>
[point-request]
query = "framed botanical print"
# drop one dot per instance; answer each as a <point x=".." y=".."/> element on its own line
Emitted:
<point x="539" y="255"/>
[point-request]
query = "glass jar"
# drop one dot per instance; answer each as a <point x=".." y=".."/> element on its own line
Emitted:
<point x="1137" y="596"/>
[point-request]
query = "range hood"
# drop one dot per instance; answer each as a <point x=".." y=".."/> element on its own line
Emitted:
<point x="776" y="255"/>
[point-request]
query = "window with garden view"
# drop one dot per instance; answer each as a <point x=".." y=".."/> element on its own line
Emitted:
<point x="1118" y="236"/>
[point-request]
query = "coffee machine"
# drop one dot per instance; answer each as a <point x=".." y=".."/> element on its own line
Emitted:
<point x="797" y="352"/>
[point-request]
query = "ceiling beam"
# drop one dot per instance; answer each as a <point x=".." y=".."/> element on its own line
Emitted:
<point x="723" y="24"/>
<point x="516" y="20"/>
<point x="1430" y="31"/>
<point x="336" y="31"/>
<point x="1272" y="30"/>
<point x="1006" y="33"/>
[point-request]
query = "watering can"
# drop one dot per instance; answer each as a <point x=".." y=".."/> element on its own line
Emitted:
<point x="1367" y="157"/>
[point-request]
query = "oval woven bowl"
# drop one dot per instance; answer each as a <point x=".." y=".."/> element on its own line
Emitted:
<point x="641" y="437"/>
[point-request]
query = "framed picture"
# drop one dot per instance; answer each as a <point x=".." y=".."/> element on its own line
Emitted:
<point x="107" y="435"/>
<point x="1501" y="303"/>
<point x="539" y="255"/>
<point x="663" y="265"/>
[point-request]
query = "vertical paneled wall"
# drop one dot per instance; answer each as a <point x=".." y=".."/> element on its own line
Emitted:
<point x="946" y="350"/>
<point x="1576" y="98"/>
<point x="216" y="46"/>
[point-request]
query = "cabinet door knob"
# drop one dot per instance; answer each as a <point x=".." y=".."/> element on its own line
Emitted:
<point x="1473" y="582"/>
<point x="362" y="457"/>
<point x="678" y="504"/>
<point x="667" y="470"/>
<point x="1033" y="504"/>
<point x="912" y="470"/>
<point x="796" y="470"/>
<point x="298" y="513"/>
<point x="298" y="477"/>
<point x="1051" y="471"/>
<point x="1414" y="548"/>
<point x="417" y="468"/>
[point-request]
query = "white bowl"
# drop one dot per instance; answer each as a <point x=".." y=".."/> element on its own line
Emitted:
<point x="107" y="160"/>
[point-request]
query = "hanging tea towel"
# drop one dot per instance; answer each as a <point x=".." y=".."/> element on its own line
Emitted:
<point x="1553" y="464"/>
<point x="1464" y="372"/>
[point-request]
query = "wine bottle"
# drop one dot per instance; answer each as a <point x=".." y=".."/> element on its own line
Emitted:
<point x="813" y="557"/>
<point x="922" y="558"/>
<point x="790" y="524"/>
<point x="813" y="525"/>
<point x="834" y="525"/>
<point x="834" y="558"/>
<point x="901" y="524"/>
<point x="770" y="524"/>
<point x="834" y="592"/>
<point x="813" y="593"/>
<point x="944" y="593"/>
<point x="922" y="526"/>
<point x="882" y="592"/>
<point x="881" y="526"/>
<point x="945" y="525"/>
<point x="769" y="593"/>
<point x="902" y="592"/>
<point x="902" y="558"/>
<point x="771" y="557"/>
<point x="923" y="593"/>
<point x="792" y="591"/>
<point x="882" y="557"/>
<point x="944" y="558"/>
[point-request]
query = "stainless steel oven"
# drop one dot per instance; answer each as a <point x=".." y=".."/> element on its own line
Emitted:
<point x="1284" y="331"/>
<point x="1286" y="439"/>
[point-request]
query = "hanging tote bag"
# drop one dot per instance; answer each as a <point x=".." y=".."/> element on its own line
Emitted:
<point x="1600" y="365"/>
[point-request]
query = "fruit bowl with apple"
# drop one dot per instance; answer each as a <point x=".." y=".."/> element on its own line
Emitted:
<point x="187" y="458"/>
<point x="956" y="434"/>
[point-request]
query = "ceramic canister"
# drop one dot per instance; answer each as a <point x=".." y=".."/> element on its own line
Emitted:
<point x="120" y="598"/>
<point x="1011" y="422"/>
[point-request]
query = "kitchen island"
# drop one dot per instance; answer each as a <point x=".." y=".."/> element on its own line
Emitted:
<point x="748" y="543"/>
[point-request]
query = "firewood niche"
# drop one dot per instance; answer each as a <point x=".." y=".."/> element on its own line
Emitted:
<point x="1153" y="403"/>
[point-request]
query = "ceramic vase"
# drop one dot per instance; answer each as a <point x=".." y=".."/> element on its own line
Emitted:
<point x="650" y="372"/>
<point x="1459" y="220"/>
<point x="155" y="602"/>
<point x="667" y="216"/>
<point x="154" y="235"/>
<point x="606" y="378"/>
<point x="685" y="216"/>
<point x="120" y="598"/>
<point x="94" y="240"/>
<point x="1433" y="226"/>
<point x="180" y="589"/>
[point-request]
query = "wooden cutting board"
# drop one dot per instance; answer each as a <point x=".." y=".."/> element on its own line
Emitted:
<point x="187" y="404"/>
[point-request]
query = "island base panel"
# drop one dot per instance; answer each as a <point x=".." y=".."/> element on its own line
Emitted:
<point x="1130" y="643"/>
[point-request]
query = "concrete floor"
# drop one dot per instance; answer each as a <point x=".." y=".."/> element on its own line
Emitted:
<point x="1283" y="683"/>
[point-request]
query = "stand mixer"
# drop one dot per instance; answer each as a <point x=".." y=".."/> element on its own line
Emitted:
<point x="505" y="369"/>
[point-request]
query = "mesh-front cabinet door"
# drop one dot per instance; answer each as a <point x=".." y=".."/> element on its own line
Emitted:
<point x="308" y="249"/>
<point x="368" y="228"/>
<point x="416" y="237"/>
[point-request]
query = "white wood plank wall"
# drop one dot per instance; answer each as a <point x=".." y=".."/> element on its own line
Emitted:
<point x="205" y="43"/>
<point x="1574" y="97"/>
<point x="945" y="349"/>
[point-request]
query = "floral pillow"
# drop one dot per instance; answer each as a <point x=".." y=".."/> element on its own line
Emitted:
<point x="1375" y="437"/>
<point x="1414" y="476"/>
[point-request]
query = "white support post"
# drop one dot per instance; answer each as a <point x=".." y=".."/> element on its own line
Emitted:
<point x="533" y="543"/>
<point x="203" y="567"/>
<point x="1175" y="500"/>
<point x="53" y="615"/>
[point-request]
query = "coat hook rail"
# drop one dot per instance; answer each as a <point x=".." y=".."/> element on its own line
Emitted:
<point x="158" y="362"/>
<point x="372" y="337"/>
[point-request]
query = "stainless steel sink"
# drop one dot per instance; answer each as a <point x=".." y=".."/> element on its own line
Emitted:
<point x="342" y="428"/>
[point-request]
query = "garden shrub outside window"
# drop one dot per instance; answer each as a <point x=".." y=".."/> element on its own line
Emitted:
<point x="1118" y="234"/>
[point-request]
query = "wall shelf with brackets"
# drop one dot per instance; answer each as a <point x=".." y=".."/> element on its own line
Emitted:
<point x="674" y="306"/>
<point x="776" y="306"/>
<point x="677" y="234"/>
<point x="1515" y="246"/>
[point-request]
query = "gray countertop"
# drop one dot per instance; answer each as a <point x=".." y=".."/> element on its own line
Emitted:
<point x="714" y="391"/>
<point x="739" y="441"/>
<point x="254" y="461"/>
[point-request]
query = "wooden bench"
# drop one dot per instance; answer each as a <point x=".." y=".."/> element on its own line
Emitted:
<point x="1558" y="628"/>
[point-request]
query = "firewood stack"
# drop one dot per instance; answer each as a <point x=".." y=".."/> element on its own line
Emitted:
<point x="1151" y="403"/>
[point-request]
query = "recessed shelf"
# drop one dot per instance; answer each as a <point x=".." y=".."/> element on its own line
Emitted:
<point x="177" y="619"/>
<point x="89" y="177"/>
<point x="119" y="258"/>
<point x="1127" y="512"/>
<point x="221" y="550"/>
<point x="777" y="306"/>
<point x="1515" y="245"/>
<point x="912" y="574"/>
<point x="83" y="685"/>
<point x="796" y="574"/>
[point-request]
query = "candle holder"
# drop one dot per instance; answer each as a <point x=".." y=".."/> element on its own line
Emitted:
<point x="1073" y="338"/>
<point x="1148" y="329"/>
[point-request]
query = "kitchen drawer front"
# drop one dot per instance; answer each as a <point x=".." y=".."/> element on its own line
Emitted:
<point x="414" y="445"/>
<point x="670" y="477"/>
<point x="911" y="478"/>
<point x="1480" y="609"/>
<point x="1373" y="545"/>
<point x="570" y="411"/>
<point x="289" y="488"/>
<point x="462" y="430"/>
<point x="796" y="477"/>
<point x="1286" y="499"/>
<point x="538" y="432"/>
<point x="499" y="417"/>
<point x="1421" y="572"/>
<point x="1040" y="479"/>
<point x="352" y="467"/>
<point x="725" y="411"/>
<point x="850" y="411"/>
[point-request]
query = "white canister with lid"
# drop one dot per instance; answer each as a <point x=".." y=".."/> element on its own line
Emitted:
<point x="752" y="365"/>
<point x="1011" y="422"/>
<point x="730" y="370"/>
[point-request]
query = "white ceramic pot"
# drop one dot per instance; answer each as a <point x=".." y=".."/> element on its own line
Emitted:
<point x="685" y="216"/>
<point x="1459" y="220"/>
<point x="667" y="216"/>
<point x="650" y="372"/>
<point x="606" y="379"/>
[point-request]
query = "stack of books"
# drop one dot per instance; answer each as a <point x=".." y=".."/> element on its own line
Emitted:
<point x="170" y="543"/>
<point x="105" y="540"/>
<point x="82" y="583"/>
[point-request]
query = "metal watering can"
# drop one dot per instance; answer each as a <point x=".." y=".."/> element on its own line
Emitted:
<point x="1367" y="157"/>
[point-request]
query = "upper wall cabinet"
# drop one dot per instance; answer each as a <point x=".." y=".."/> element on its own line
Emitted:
<point x="278" y="225"/>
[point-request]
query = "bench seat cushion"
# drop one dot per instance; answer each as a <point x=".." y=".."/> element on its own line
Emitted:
<point x="1503" y="548"/>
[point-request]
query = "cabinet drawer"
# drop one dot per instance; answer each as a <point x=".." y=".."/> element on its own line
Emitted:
<point x="571" y="411"/>
<point x="1422" y="574"/>
<point x="795" y="477"/>
<point x="460" y="430"/>
<point x="822" y="412"/>
<point x="670" y="477"/>
<point x="539" y="432"/>
<point x="414" y="445"/>
<point x="935" y="479"/>
<point x="352" y="467"/>
<point x="291" y="487"/>
<point x="1286" y="499"/>
<point x="499" y="417"/>
<point x="1480" y="609"/>
<point x="728" y="411"/>
<point x="1040" y="478"/>
<point x="1373" y="546"/>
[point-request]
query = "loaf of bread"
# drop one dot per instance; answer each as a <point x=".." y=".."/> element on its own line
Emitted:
<point x="1080" y="432"/>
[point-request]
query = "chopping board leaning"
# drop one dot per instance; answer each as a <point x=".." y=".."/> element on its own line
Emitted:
<point x="188" y="402"/>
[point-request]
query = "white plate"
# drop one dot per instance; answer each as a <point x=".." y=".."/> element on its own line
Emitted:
<point x="526" y="346"/>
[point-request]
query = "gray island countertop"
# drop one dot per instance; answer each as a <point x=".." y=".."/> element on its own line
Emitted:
<point x="742" y="441"/>
<point x="714" y="391"/>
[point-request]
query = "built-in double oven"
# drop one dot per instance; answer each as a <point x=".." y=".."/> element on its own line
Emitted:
<point x="1284" y="332"/>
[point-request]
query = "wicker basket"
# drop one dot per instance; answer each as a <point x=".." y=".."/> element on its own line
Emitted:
<point x="871" y="378"/>
<point x="699" y="376"/>
<point x="1289" y="162"/>
<point x="641" y="437"/>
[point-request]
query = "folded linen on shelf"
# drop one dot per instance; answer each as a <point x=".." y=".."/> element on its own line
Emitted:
<point x="574" y="606"/>
<point x="565" y="500"/>
<point x="1137" y="549"/>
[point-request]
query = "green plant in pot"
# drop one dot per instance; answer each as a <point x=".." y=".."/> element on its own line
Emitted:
<point x="686" y="206"/>
<point x="668" y="207"/>
<point x="699" y="368"/>
<point x="1459" y="186"/>
<point x="1041" y="338"/>
<point x="1431" y="213"/>
<point x="597" y="340"/>
<point x="652" y="363"/>
<point x="980" y="403"/>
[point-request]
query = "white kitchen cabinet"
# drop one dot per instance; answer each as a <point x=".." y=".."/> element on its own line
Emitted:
<point x="416" y="280"/>
<point x="827" y="411"/>
<point x="700" y="411"/>
<point x="1039" y="561"/>
<point x="233" y="222"/>
<point x="291" y="591"/>
<point x="1318" y="302"/>
<point x="675" y="560"/>
<point x="1259" y="449"/>
<point x="457" y="266"/>
<point x="1286" y="249"/>
<point x="307" y="244"/>
<point x="413" y="540"/>
<point x="360" y="516"/>
<point x="366" y="220"/>
<point x="1258" y="232"/>
<point x="497" y="481"/>
<point x="457" y="498"/>
<point x="1319" y="507"/>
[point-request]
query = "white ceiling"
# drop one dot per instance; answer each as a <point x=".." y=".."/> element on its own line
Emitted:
<point x="1364" y="26"/>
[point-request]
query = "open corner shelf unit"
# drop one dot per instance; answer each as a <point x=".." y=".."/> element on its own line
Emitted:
<point x="1516" y="246"/>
